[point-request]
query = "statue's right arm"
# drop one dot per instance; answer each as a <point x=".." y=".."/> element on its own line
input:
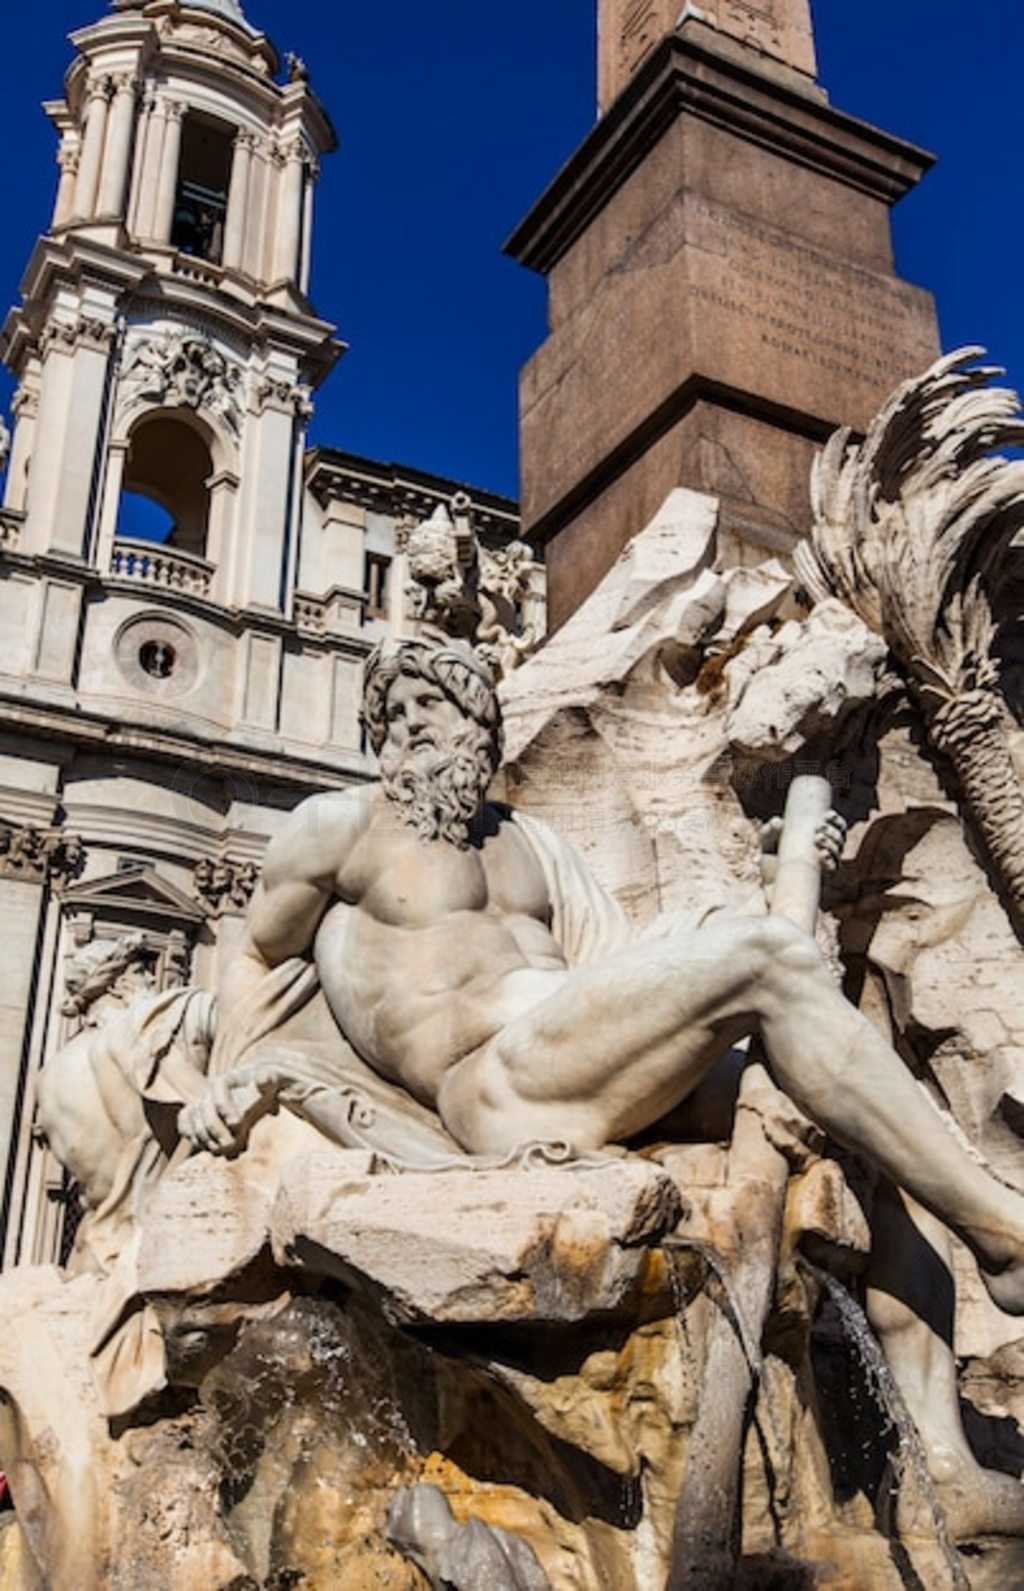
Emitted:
<point x="298" y="883"/>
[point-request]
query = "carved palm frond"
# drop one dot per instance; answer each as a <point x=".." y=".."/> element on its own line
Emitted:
<point x="912" y="530"/>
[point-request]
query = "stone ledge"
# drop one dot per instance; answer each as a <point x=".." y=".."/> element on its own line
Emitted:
<point x="474" y="1247"/>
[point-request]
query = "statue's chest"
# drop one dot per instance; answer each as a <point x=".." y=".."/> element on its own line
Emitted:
<point x="403" y="880"/>
<point x="414" y="883"/>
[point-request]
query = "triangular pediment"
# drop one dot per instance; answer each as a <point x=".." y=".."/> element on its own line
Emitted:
<point x="139" y="891"/>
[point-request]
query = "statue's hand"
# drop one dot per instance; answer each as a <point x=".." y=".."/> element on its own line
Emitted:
<point x="221" y="1118"/>
<point x="770" y="834"/>
<point x="830" y="839"/>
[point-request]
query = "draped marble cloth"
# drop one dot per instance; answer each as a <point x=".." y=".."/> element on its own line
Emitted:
<point x="285" y="1029"/>
<point x="164" y="1049"/>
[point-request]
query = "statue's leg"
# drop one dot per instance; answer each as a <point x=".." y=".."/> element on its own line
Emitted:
<point x="911" y="1301"/>
<point x="620" y="1042"/>
<point x="613" y="1047"/>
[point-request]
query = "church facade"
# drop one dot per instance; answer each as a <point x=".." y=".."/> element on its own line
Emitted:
<point x="188" y="591"/>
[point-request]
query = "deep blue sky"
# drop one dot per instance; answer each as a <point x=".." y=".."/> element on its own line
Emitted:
<point x="453" y="116"/>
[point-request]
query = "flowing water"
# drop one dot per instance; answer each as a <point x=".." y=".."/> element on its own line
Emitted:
<point x="910" y="1458"/>
<point x="752" y="1350"/>
<point x="774" y="1439"/>
<point x="734" y="1314"/>
<point x="302" y="1407"/>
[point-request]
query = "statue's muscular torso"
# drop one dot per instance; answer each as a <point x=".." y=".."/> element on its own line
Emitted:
<point x="424" y="951"/>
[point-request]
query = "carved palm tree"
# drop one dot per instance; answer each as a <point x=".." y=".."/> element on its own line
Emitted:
<point x="912" y="530"/>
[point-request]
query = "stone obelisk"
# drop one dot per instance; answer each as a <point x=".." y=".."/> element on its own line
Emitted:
<point x="722" y="291"/>
<point x="628" y="30"/>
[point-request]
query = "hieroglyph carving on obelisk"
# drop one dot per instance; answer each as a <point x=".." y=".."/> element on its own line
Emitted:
<point x="630" y="29"/>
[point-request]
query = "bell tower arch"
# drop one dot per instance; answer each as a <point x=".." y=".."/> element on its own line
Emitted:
<point x="164" y="696"/>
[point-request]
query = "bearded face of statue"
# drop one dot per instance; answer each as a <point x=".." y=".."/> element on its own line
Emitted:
<point x="435" y="761"/>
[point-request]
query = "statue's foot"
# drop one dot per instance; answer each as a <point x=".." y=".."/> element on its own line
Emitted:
<point x="1006" y="1287"/>
<point x="981" y="1502"/>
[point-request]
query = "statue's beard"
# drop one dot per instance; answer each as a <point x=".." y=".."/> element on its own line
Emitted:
<point x="439" y="786"/>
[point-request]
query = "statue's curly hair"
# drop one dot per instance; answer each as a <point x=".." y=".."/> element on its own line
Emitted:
<point x="452" y="666"/>
<point x="94" y="969"/>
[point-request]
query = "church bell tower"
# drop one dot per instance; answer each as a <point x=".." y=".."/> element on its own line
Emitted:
<point x="165" y="348"/>
<point x="168" y="686"/>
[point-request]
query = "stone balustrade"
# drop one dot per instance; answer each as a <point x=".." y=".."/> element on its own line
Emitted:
<point x="195" y="269"/>
<point x="157" y="565"/>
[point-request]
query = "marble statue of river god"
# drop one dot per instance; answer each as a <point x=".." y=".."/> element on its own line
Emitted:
<point x="467" y="956"/>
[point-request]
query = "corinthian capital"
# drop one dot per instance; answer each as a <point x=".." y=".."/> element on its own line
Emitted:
<point x="40" y="855"/>
<point x="225" y="885"/>
<point x="293" y="148"/>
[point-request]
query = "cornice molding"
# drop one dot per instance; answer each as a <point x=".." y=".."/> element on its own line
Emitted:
<point x="141" y="890"/>
<point x="89" y="733"/>
<point x="137" y="286"/>
<point x="695" y="389"/>
<point x="687" y="75"/>
<point x="393" y="489"/>
<point x="174" y="601"/>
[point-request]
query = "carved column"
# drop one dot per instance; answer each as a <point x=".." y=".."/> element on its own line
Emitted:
<point x="146" y="127"/>
<point x="289" y="212"/>
<point x="24" y="408"/>
<point x="223" y="488"/>
<point x="75" y="357"/>
<point x="93" y="141"/>
<point x="67" y="159"/>
<point x="131" y="209"/>
<point x="266" y="508"/>
<point x="22" y="905"/>
<point x="306" y="263"/>
<point x="400" y="619"/>
<point x="236" y="220"/>
<point x="261" y="176"/>
<point x="30" y="860"/>
<point x="149" y="162"/>
<point x="117" y="154"/>
<point x="167" y="182"/>
<point x="110" y="503"/>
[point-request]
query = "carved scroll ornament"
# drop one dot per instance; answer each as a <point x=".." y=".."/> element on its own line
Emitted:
<point x="186" y="370"/>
